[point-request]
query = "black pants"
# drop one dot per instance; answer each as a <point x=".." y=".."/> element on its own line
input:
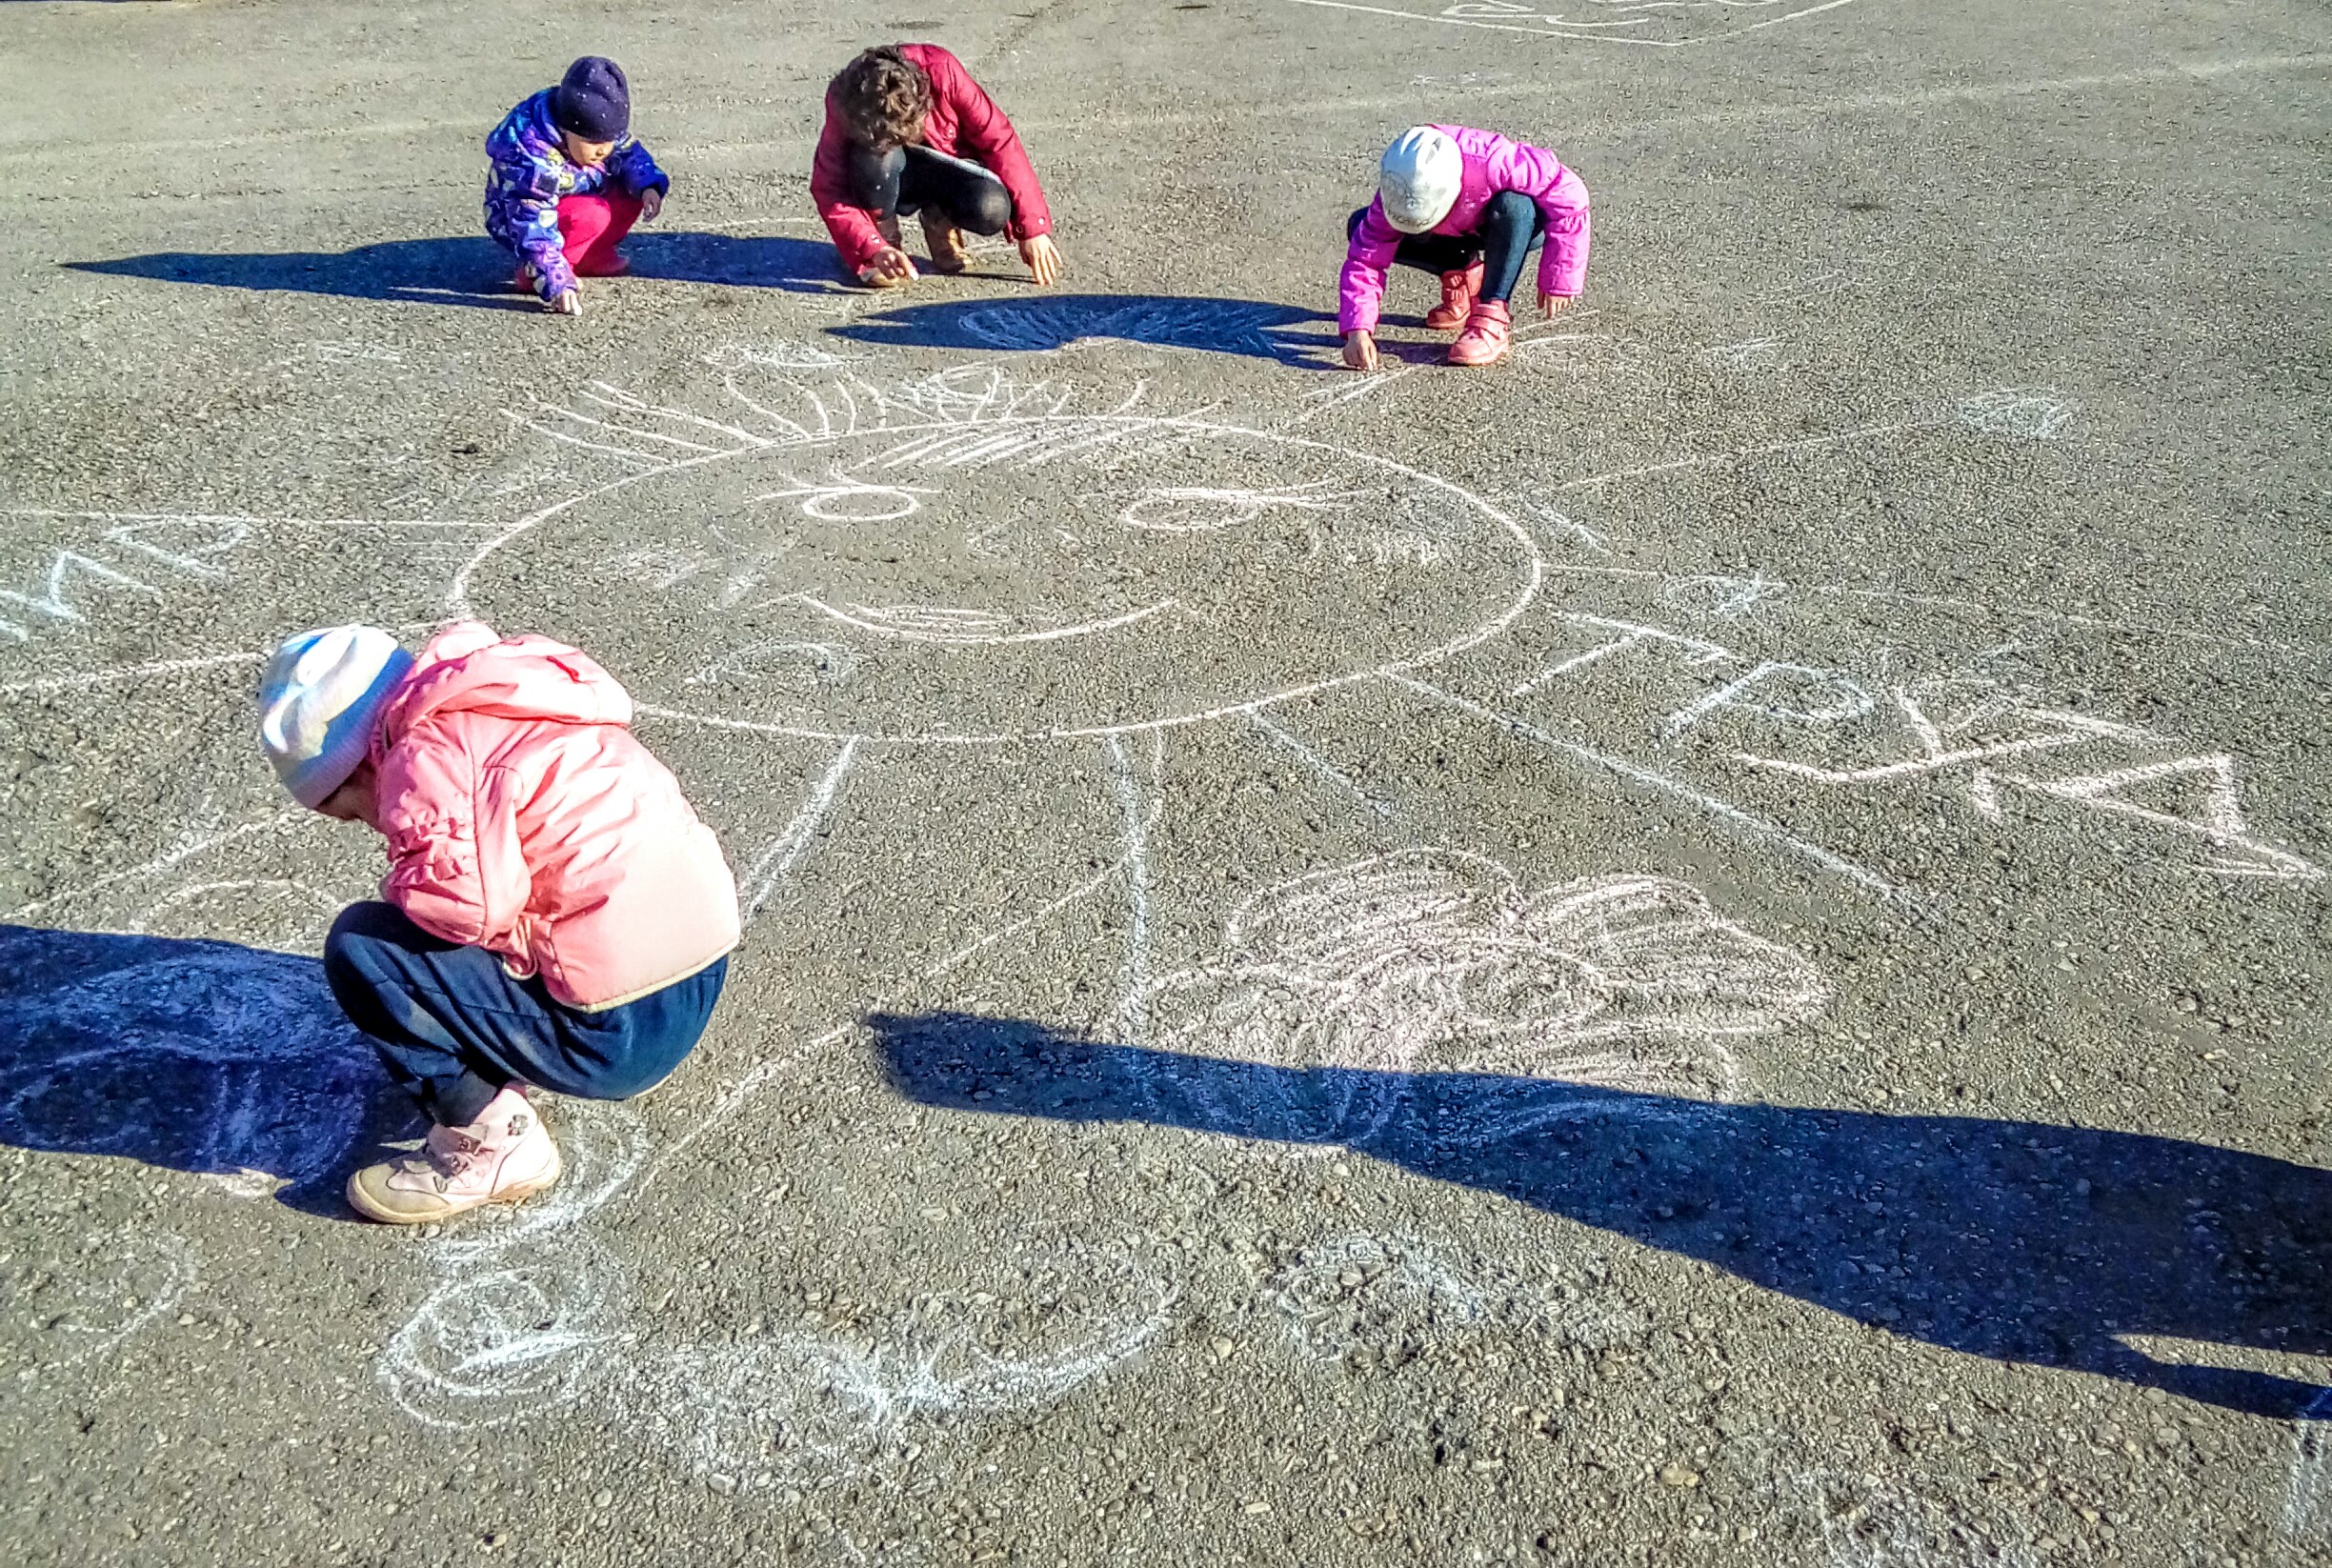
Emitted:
<point x="1512" y="227"/>
<point x="452" y="1026"/>
<point x="907" y="179"/>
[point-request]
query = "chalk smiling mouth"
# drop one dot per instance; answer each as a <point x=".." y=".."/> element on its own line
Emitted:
<point x="933" y="623"/>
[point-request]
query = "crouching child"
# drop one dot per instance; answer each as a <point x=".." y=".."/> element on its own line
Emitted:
<point x="909" y="132"/>
<point x="554" y="918"/>
<point x="566" y="181"/>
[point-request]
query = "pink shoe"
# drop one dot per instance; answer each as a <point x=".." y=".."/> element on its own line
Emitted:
<point x="523" y="279"/>
<point x="504" y="1155"/>
<point x="1487" y="332"/>
<point x="1457" y="292"/>
<point x="613" y="267"/>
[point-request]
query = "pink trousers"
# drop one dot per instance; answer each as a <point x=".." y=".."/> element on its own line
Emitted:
<point x="592" y="226"/>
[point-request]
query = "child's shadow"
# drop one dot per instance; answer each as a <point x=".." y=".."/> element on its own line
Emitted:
<point x="2017" y="1240"/>
<point x="474" y="273"/>
<point x="202" y="1057"/>
<point x="744" y="261"/>
<point x="465" y="271"/>
<point x="1250" y="329"/>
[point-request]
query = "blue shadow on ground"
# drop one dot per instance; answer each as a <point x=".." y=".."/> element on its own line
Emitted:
<point x="1246" y="327"/>
<point x="474" y="271"/>
<point x="2018" y="1241"/>
<point x="193" y="1055"/>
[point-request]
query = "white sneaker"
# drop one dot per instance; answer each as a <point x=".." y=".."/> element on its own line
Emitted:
<point x="504" y="1155"/>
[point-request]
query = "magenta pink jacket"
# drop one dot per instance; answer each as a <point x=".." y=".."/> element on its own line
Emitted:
<point x="1492" y="162"/>
<point x="524" y="818"/>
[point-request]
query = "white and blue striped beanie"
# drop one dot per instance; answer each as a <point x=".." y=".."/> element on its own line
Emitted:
<point x="318" y="703"/>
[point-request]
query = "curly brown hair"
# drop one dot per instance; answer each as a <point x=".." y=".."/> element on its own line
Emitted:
<point x="884" y="98"/>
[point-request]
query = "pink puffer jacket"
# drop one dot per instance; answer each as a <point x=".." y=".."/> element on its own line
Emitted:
<point x="1492" y="162"/>
<point x="524" y="818"/>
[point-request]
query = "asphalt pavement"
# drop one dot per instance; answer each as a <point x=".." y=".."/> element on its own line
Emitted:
<point x="1704" y="947"/>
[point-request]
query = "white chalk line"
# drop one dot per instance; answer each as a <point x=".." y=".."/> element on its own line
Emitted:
<point x="2304" y="1490"/>
<point x="897" y="621"/>
<point x="181" y="1265"/>
<point x="743" y="1090"/>
<point x="1321" y="766"/>
<point x="186" y="848"/>
<point x="1336" y="397"/>
<point x="2220" y="823"/>
<point x="1715" y="459"/>
<point x="1577" y="31"/>
<point x="1756" y="826"/>
<point x="1291" y="109"/>
<point x="325" y="903"/>
<point x="1134" y="1016"/>
<point x="1943" y="601"/>
<point x="132" y="671"/>
<point x="786" y="851"/>
<point x="243" y="518"/>
<point x="1703" y="653"/>
<point x="1180" y="427"/>
<point x="1438" y="959"/>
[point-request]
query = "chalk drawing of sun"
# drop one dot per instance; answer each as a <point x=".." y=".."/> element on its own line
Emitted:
<point x="968" y="558"/>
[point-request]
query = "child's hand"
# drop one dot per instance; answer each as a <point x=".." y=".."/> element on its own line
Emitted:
<point x="1360" y="350"/>
<point x="569" y="303"/>
<point x="890" y="268"/>
<point x="1549" y="304"/>
<point x="652" y="202"/>
<point x="1043" y="258"/>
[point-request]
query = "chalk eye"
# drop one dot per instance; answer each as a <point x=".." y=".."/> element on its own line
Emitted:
<point x="842" y="499"/>
<point x="796" y="665"/>
<point x="1207" y="509"/>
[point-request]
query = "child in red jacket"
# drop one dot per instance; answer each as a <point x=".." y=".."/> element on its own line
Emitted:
<point x="909" y="131"/>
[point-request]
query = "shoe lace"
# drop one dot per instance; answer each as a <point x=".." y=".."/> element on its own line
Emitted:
<point x="454" y="1155"/>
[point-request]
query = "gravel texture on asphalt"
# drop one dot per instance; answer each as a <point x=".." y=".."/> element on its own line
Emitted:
<point x="1707" y="947"/>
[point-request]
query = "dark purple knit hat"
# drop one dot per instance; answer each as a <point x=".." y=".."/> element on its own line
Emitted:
<point x="593" y="101"/>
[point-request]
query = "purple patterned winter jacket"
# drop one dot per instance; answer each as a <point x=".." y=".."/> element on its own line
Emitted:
<point x="528" y="172"/>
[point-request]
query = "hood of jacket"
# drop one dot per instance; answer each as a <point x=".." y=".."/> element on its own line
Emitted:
<point x="469" y="668"/>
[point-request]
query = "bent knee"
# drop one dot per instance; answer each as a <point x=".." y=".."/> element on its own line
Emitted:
<point x="1512" y="207"/>
<point x="367" y="924"/>
<point x="991" y="210"/>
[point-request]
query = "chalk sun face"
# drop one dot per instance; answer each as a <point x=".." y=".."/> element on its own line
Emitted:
<point x="942" y="567"/>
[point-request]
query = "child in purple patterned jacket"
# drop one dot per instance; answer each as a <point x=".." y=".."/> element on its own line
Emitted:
<point x="568" y="181"/>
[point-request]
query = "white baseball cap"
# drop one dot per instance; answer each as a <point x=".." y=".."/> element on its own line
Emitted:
<point x="319" y="701"/>
<point x="1419" y="178"/>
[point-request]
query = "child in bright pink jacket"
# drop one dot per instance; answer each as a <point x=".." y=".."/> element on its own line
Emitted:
<point x="556" y="914"/>
<point x="1471" y="206"/>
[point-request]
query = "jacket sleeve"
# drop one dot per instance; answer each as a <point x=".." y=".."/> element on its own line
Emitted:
<point x="456" y="864"/>
<point x="1360" y="285"/>
<point x="1561" y="198"/>
<point x="632" y="169"/>
<point x="529" y="194"/>
<point x="996" y="145"/>
<point x="852" y="226"/>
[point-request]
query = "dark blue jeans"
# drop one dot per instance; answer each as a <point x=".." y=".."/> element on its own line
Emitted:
<point x="907" y="179"/>
<point x="1512" y="227"/>
<point x="453" y="1027"/>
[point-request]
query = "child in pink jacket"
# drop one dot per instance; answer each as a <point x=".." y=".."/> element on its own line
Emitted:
<point x="556" y="915"/>
<point x="1470" y="205"/>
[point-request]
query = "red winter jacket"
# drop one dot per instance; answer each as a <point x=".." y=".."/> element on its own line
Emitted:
<point x="964" y="123"/>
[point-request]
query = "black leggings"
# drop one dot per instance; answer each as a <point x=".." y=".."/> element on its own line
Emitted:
<point x="907" y="179"/>
<point x="1512" y="227"/>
